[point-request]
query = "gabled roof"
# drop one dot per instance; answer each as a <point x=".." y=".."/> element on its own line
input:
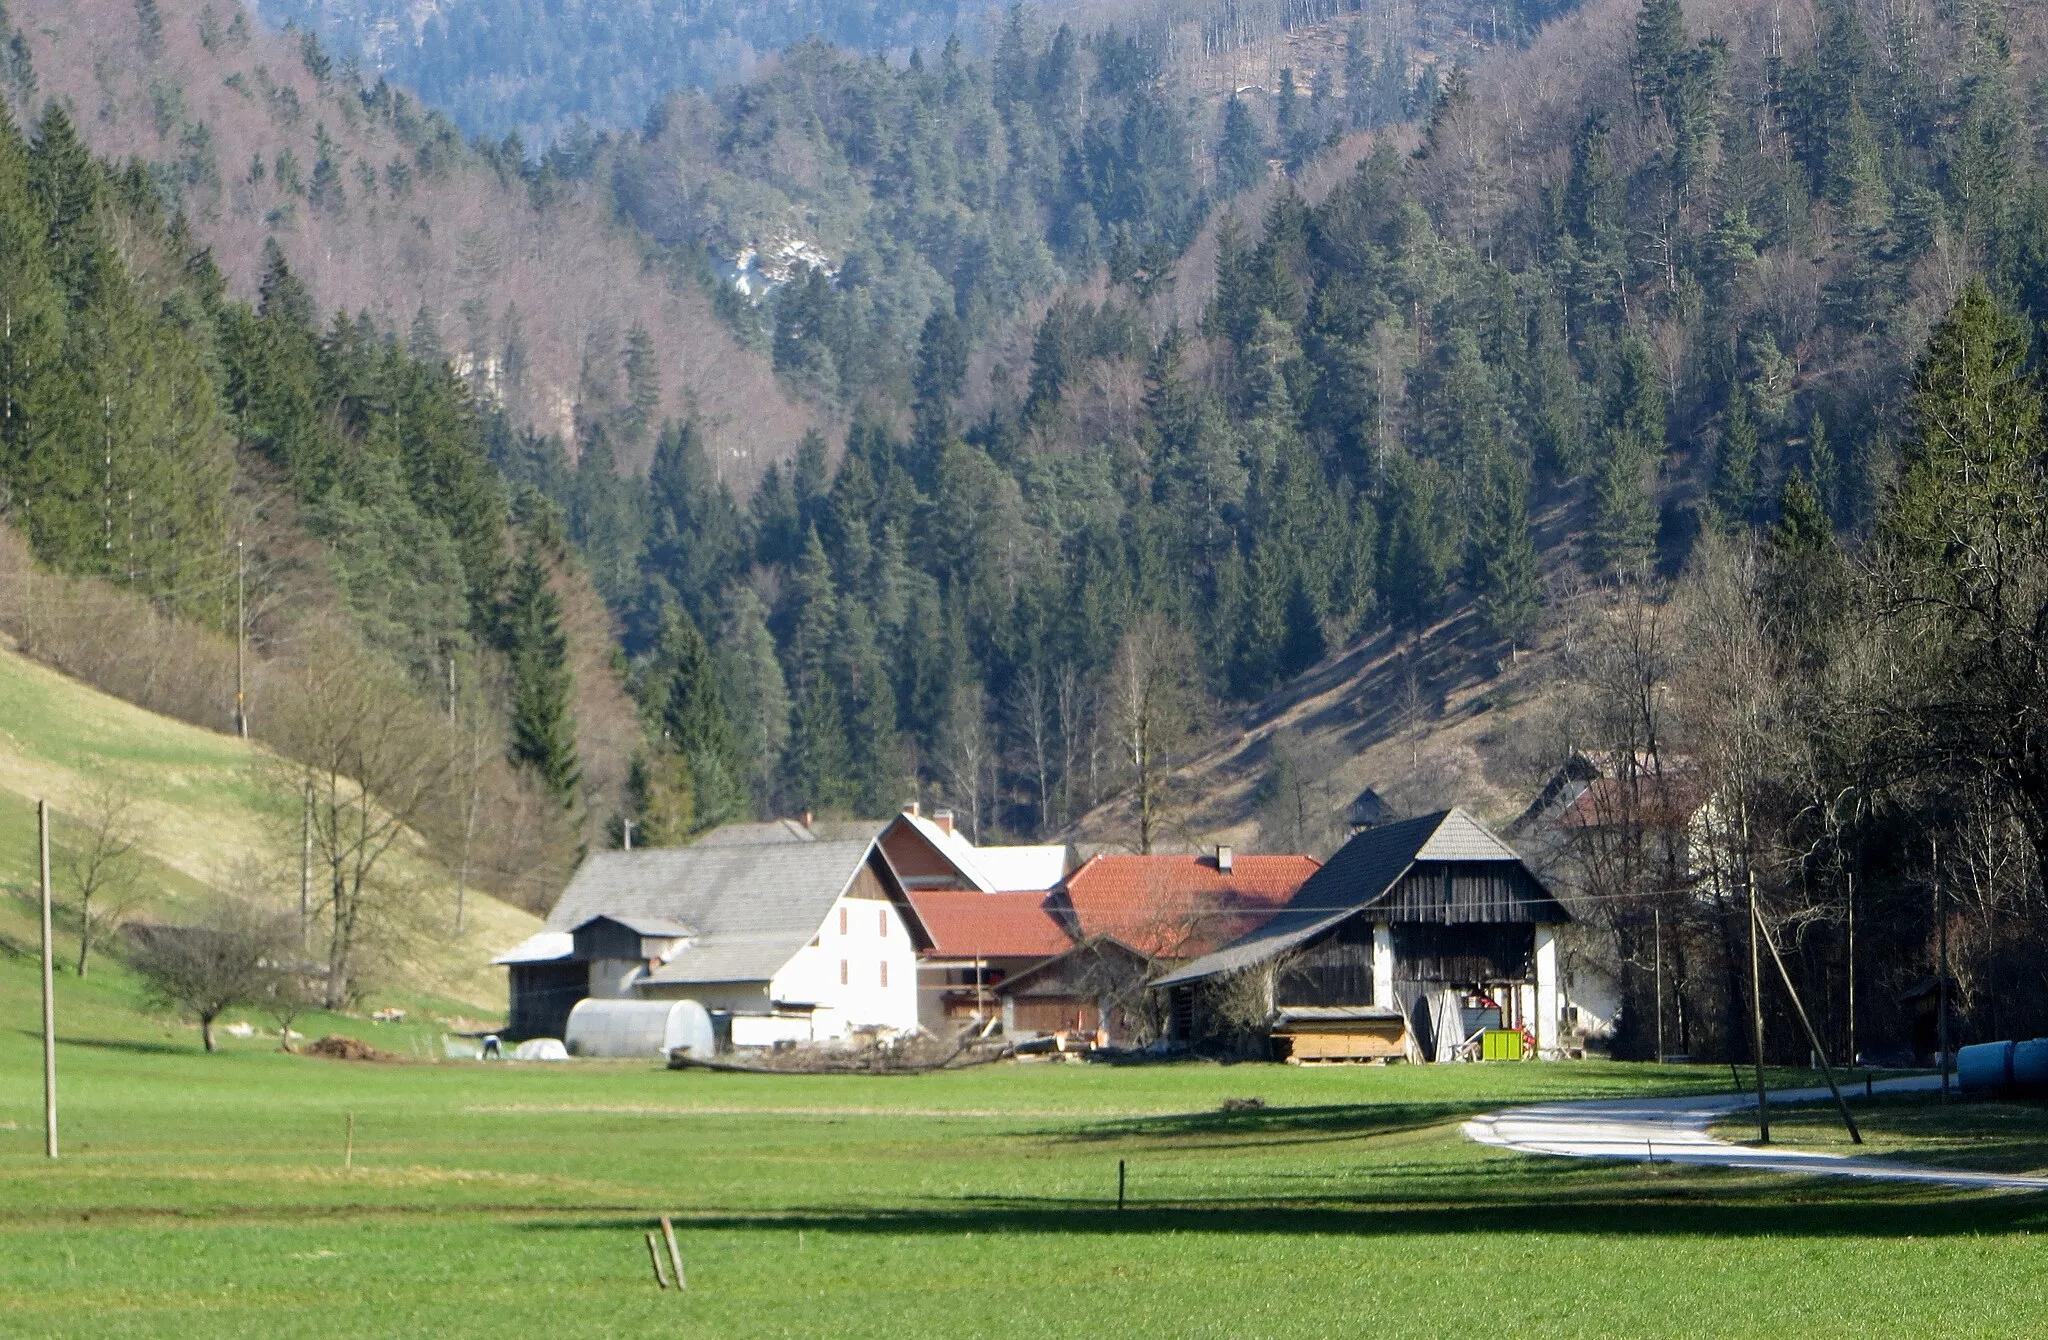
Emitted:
<point x="1364" y="870"/>
<point x="1177" y="906"/>
<point x="654" y="927"/>
<point x="546" y="947"/>
<point x="990" y="869"/>
<point x="967" y="924"/>
<point x="751" y="906"/>
<point x="775" y="831"/>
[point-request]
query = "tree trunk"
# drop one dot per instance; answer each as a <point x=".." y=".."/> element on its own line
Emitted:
<point x="206" y="1031"/>
<point x="84" y="932"/>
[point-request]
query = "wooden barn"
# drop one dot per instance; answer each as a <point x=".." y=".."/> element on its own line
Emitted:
<point x="1428" y="938"/>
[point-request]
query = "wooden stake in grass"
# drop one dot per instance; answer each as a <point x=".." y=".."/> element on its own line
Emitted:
<point x="1119" y="1184"/>
<point x="675" y="1253"/>
<point x="348" y="1147"/>
<point x="654" y="1255"/>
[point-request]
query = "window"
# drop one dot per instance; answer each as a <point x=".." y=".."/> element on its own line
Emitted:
<point x="883" y="929"/>
<point x="842" y="921"/>
<point x="885" y="974"/>
<point x="842" y="972"/>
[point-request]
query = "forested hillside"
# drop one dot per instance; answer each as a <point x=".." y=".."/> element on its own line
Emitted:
<point x="382" y="206"/>
<point x="540" y="70"/>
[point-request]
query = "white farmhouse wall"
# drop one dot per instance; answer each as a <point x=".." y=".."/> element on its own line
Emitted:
<point x="861" y="976"/>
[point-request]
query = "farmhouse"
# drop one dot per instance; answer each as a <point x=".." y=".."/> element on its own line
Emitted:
<point x="1415" y="939"/>
<point x="782" y="940"/>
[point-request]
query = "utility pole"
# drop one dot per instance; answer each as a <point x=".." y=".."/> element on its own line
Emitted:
<point x="1852" y="967"/>
<point x="627" y="824"/>
<point x="49" y="988"/>
<point x="306" y="869"/>
<point x="1657" y="920"/>
<point x="1941" y="968"/>
<point x="1819" y="1052"/>
<point x="1756" y="991"/>
<point x="241" y="643"/>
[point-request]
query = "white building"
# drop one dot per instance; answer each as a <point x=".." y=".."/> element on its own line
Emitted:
<point x="798" y="941"/>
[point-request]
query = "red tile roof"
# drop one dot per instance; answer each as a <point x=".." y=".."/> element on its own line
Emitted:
<point x="965" y="923"/>
<point x="1179" y="906"/>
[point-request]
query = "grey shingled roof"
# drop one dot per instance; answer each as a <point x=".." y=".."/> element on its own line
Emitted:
<point x="658" y="927"/>
<point x="777" y="831"/>
<point x="1363" y="871"/>
<point x="752" y="906"/>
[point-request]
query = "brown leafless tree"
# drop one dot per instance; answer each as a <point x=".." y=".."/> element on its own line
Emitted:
<point x="102" y="860"/>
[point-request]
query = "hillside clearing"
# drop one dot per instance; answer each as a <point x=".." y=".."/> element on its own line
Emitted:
<point x="211" y="811"/>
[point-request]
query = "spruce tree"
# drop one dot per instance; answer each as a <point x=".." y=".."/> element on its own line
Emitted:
<point x="1735" y="465"/>
<point x="1240" y="153"/>
<point x="543" y="735"/>
<point x="696" y="724"/>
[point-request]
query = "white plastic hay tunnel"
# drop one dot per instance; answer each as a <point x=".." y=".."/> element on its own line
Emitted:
<point x="637" y="1028"/>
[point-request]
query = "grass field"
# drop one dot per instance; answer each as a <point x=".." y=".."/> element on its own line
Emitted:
<point x="205" y="1195"/>
<point x="1978" y="1135"/>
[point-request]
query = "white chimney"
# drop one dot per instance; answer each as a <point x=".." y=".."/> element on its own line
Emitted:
<point x="944" y="819"/>
<point x="1223" y="859"/>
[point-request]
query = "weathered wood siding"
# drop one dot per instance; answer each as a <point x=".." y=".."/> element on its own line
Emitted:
<point x="1456" y="892"/>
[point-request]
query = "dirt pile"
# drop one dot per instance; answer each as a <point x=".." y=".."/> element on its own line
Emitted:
<point x="335" y="1047"/>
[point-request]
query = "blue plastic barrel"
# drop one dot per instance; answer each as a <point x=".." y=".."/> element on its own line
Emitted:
<point x="1986" y="1067"/>
<point x="2030" y="1064"/>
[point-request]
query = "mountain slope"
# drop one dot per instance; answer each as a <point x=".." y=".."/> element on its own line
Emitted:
<point x="381" y="207"/>
<point x="210" y="810"/>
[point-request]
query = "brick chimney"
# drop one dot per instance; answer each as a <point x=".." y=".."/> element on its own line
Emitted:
<point x="807" y="818"/>
<point x="944" y="819"/>
<point x="911" y="809"/>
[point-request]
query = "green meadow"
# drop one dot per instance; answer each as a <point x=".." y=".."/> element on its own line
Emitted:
<point x="207" y="1196"/>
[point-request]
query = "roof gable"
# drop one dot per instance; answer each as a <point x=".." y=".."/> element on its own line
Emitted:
<point x="751" y="906"/>
<point x="1365" y="871"/>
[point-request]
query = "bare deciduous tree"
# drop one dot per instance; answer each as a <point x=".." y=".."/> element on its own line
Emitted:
<point x="225" y="960"/>
<point x="1155" y="701"/>
<point x="102" y="862"/>
<point x="374" y="759"/>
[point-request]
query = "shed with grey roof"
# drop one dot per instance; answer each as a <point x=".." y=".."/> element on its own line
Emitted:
<point x="1403" y="917"/>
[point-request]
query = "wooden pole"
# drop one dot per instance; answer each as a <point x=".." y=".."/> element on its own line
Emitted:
<point x="306" y="869"/>
<point x="241" y="644"/>
<point x="675" y="1253"/>
<point x="1119" y="1184"/>
<point x="1657" y="920"/>
<point x="1756" y="993"/>
<point x="348" y="1147"/>
<point x="1820" y="1052"/>
<point x="1852" y="968"/>
<point x="49" y="987"/>
<point x="1941" y="969"/>
<point x="654" y="1255"/>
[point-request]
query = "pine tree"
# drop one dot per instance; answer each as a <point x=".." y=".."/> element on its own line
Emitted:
<point x="756" y="692"/>
<point x="1508" y="577"/>
<point x="1735" y="466"/>
<point x="1661" y="39"/>
<point x="543" y="736"/>
<point x="1240" y="153"/>
<point x="696" y="724"/>
<point x="818" y="762"/>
